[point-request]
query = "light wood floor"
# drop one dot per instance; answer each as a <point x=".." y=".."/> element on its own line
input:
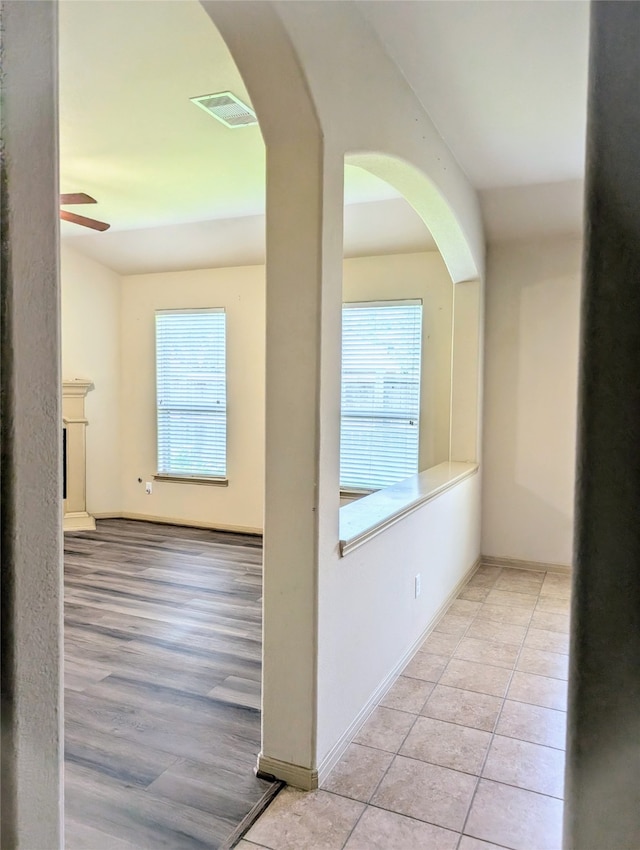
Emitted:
<point x="162" y="685"/>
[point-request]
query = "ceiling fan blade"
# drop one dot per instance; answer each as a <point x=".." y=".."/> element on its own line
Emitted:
<point x="77" y="198"/>
<point x="84" y="221"/>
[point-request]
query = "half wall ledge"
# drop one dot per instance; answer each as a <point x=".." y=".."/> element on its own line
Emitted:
<point x="368" y="517"/>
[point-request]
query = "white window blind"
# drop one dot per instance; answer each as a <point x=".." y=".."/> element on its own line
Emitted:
<point x="381" y="353"/>
<point x="191" y="393"/>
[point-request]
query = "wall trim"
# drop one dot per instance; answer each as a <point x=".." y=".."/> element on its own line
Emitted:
<point x="78" y="521"/>
<point x="365" y="518"/>
<point x="338" y="750"/>
<point x="517" y="564"/>
<point x="305" y="778"/>
<point x="187" y="523"/>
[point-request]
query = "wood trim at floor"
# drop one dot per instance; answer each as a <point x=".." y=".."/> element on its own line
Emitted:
<point x="517" y="564"/>
<point x="305" y="778"/>
<point x="185" y="523"/>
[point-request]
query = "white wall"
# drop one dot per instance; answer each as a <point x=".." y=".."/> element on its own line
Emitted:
<point x="91" y="349"/>
<point x="241" y="292"/>
<point x="531" y="357"/>
<point x="368" y="613"/>
<point x="530" y="384"/>
<point x="366" y="107"/>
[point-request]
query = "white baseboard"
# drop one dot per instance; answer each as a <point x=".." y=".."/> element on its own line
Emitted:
<point x="517" y="564"/>
<point x="305" y="778"/>
<point x="188" y="523"/>
<point x="338" y="750"/>
<point x="78" y="521"/>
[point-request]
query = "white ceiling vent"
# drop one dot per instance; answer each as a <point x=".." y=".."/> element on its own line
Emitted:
<point x="227" y="108"/>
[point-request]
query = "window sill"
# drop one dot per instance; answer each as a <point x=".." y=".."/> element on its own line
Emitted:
<point x="192" y="479"/>
<point x="354" y="493"/>
<point x="365" y="518"/>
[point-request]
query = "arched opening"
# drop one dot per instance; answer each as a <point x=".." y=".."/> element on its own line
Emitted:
<point x="163" y="625"/>
<point x="429" y="204"/>
<point x="411" y="217"/>
<point x="311" y="602"/>
<point x="397" y="341"/>
<point x="462" y="264"/>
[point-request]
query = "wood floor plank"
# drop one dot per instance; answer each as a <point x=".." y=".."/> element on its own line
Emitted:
<point x="163" y="647"/>
<point x="119" y="758"/>
<point x="237" y="691"/>
<point x="145" y="820"/>
<point x="81" y="835"/>
<point x="198" y="785"/>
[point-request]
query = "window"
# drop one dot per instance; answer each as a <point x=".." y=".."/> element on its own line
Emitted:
<point x="381" y="352"/>
<point x="191" y="393"/>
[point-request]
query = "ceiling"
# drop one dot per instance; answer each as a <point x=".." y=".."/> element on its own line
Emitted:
<point x="504" y="82"/>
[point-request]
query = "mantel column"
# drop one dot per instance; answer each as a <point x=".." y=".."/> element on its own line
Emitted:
<point x="74" y="424"/>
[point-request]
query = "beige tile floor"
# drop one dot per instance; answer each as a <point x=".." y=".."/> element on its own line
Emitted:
<point x="466" y="751"/>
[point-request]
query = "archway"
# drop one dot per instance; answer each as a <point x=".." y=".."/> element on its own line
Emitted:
<point x="309" y="126"/>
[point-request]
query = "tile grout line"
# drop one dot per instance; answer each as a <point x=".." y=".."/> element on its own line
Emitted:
<point x="477" y="783"/>
<point x="453" y="770"/>
<point x="416" y="715"/>
<point x="451" y="656"/>
<point x="370" y="805"/>
<point x="394" y="756"/>
<point x="397" y="753"/>
<point x="493" y="734"/>
<point x="479" y="693"/>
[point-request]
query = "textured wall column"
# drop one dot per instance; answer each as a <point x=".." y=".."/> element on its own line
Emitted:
<point x="31" y="432"/>
<point x="603" y="756"/>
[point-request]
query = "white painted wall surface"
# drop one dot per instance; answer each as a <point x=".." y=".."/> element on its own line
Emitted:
<point x="366" y="107"/>
<point x="241" y="292"/>
<point x="91" y="349"/>
<point x="368" y="614"/>
<point x="531" y="360"/>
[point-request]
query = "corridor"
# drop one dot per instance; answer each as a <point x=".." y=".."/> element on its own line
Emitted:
<point x="466" y="751"/>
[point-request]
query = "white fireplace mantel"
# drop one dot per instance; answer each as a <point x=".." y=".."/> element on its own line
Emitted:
<point x="74" y="423"/>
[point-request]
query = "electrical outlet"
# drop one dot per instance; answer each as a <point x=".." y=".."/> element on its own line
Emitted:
<point x="417" y="585"/>
<point x="148" y="488"/>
